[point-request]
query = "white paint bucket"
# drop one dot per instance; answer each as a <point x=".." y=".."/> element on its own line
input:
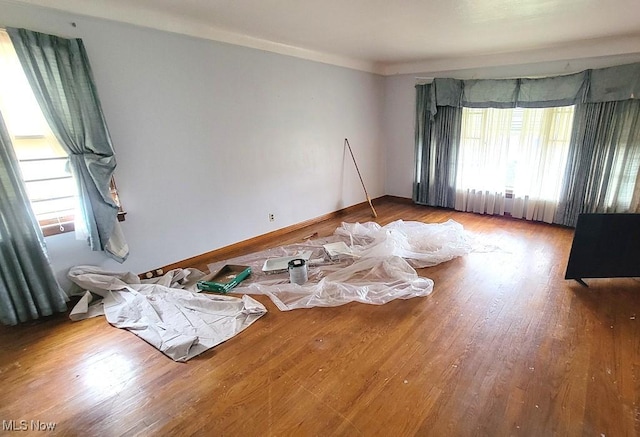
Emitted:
<point x="298" y="271"/>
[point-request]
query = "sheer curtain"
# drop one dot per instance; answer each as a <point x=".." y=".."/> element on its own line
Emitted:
<point x="59" y="73"/>
<point x="543" y="146"/>
<point x="28" y="287"/>
<point x="483" y="160"/>
<point x="519" y="150"/>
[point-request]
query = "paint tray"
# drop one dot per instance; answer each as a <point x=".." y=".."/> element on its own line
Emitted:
<point x="225" y="279"/>
<point x="279" y="265"/>
<point x="338" y="250"/>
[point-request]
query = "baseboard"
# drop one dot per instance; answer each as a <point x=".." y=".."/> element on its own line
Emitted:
<point x="397" y="199"/>
<point x="225" y="251"/>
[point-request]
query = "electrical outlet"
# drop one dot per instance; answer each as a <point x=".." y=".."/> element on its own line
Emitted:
<point x="272" y="217"/>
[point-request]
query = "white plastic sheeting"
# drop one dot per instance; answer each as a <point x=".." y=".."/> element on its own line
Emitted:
<point x="421" y="244"/>
<point x="373" y="281"/>
<point x="178" y="322"/>
<point x="379" y="271"/>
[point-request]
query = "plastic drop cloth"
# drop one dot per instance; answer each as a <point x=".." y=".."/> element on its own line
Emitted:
<point x="176" y="321"/>
<point x="421" y="244"/>
<point x="379" y="271"/>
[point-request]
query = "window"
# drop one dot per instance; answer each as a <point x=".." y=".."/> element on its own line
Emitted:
<point x="43" y="162"/>
<point x="519" y="151"/>
<point x="50" y="186"/>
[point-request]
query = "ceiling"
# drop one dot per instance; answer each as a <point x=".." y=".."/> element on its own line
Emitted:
<point x="393" y="36"/>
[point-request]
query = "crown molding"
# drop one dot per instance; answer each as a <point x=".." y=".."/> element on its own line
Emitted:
<point x="610" y="47"/>
<point x="131" y="13"/>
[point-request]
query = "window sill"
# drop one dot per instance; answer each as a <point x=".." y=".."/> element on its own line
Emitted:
<point x="57" y="228"/>
<point x="50" y="227"/>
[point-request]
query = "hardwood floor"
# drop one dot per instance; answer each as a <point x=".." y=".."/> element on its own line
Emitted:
<point x="503" y="346"/>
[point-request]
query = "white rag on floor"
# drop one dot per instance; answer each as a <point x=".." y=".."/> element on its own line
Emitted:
<point x="178" y="322"/>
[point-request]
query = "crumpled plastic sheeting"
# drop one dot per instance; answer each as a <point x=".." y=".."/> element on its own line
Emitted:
<point x="178" y="322"/>
<point x="421" y="244"/>
<point x="381" y="270"/>
<point x="372" y="280"/>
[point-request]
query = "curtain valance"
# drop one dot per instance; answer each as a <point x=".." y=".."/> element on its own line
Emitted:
<point x="590" y="86"/>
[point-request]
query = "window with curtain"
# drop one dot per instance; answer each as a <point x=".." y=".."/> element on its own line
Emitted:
<point x="75" y="133"/>
<point x="574" y="149"/>
<point x="42" y="159"/>
<point x="43" y="162"/>
<point x="519" y="152"/>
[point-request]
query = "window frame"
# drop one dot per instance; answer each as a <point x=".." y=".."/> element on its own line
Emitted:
<point x="65" y="224"/>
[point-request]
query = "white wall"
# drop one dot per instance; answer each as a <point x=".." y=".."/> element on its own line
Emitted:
<point x="210" y="138"/>
<point x="399" y="108"/>
<point x="399" y="135"/>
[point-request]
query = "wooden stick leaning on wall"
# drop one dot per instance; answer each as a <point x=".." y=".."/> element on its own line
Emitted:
<point x="375" y="215"/>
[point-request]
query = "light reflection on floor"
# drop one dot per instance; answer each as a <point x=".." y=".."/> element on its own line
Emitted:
<point x="107" y="373"/>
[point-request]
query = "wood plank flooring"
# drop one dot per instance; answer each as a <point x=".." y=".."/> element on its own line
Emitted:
<point x="504" y="346"/>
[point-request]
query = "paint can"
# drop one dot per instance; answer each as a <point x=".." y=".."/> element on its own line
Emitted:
<point x="298" y="271"/>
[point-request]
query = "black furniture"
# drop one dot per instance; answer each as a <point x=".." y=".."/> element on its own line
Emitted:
<point x="605" y="246"/>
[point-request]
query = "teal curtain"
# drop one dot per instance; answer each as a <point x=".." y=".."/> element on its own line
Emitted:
<point x="422" y="144"/>
<point x="604" y="155"/>
<point x="610" y="84"/>
<point x="59" y="73"/>
<point x="28" y="287"/>
<point x="603" y="161"/>
<point x="437" y="142"/>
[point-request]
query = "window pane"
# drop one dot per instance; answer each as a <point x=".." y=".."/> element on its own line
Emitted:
<point x="38" y="147"/>
<point x="50" y="209"/>
<point x="484" y="149"/>
<point x="48" y="189"/>
<point x="46" y="169"/>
